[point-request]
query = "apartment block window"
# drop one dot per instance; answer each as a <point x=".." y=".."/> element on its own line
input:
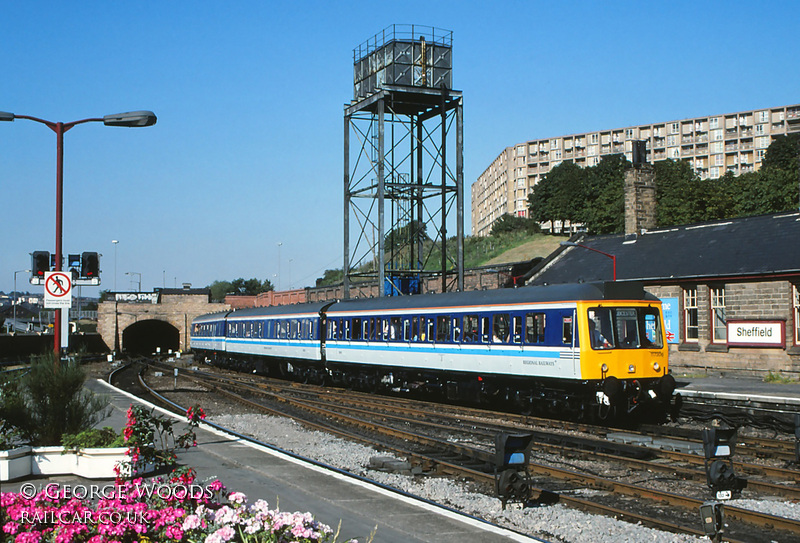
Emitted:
<point x="713" y="172"/>
<point x="718" y="319"/>
<point x="713" y="122"/>
<point x="762" y="142"/>
<point x="761" y="129"/>
<point x="690" y="323"/>
<point x="719" y="160"/>
<point x="593" y="138"/>
<point x="796" y="298"/>
<point x="717" y="135"/>
<point x="763" y="116"/>
<point x="629" y="134"/>
<point x="673" y="128"/>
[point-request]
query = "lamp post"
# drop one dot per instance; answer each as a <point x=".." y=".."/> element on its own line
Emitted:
<point x="15" y="296"/>
<point x="132" y="119"/>
<point x="279" y="265"/>
<point x="140" y="279"/>
<point x="612" y="257"/>
<point x="115" y="242"/>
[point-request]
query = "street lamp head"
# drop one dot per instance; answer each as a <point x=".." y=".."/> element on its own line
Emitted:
<point x="5" y="116"/>
<point x="131" y="119"/>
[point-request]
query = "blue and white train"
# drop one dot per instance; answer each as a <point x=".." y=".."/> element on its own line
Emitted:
<point x="592" y="348"/>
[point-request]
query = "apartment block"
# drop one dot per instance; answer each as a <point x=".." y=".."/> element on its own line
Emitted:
<point x="713" y="145"/>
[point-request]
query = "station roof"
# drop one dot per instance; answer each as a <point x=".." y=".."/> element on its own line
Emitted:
<point x="749" y="247"/>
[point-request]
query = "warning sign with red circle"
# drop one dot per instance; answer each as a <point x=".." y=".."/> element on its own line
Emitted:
<point x="57" y="290"/>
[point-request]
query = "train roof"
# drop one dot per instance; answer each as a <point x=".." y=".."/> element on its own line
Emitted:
<point x="296" y="309"/>
<point x="539" y="294"/>
<point x="211" y="317"/>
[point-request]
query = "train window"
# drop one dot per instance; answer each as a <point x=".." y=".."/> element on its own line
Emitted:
<point x="430" y="326"/>
<point x="371" y="334"/>
<point x="534" y="327"/>
<point x="332" y="326"/>
<point x="456" y="329"/>
<point x="500" y="330"/>
<point x="406" y="329"/>
<point x="414" y="329"/>
<point x="566" y="330"/>
<point x="471" y="331"/>
<point x="442" y="328"/>
<point x="346" y="329"/>
<point x="625" y="328"/>
<point x="357" y="328"/>
<point x="395" y="329"/>
<point x="516" y="326"/>
<point x="486" y="329"/>
<point x="381" y="329"/>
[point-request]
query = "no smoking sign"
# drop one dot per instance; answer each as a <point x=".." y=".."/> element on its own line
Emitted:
<point x="57" y="290"/>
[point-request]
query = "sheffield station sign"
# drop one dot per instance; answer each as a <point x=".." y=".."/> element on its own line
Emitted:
<point x="756" y="333"/>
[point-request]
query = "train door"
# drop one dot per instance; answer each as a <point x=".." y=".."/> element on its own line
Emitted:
<point x="569" y="339"/>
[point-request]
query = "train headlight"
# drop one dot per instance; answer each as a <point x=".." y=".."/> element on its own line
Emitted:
<point x="631" y="368"/>
<point x="604" y="367"/>
<point x="656" y="366"/>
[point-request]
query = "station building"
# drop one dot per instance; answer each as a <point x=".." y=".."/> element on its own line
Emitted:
<point x="713" y="145"/>
<point x="730" y="289"/>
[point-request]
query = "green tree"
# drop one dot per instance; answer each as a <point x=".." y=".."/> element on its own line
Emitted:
<point x="559" y="195"/>
<point x="604" y="206"/>
<point x="509" y="223"/>
<point x="678" y="193"/>
<point x="248" y="287"/>
<point x="49" y="401"/>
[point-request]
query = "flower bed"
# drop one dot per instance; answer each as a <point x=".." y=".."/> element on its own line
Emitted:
<point x="176" y="510"/>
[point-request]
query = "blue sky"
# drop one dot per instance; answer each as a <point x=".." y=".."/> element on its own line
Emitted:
<point x="247" y="152"/>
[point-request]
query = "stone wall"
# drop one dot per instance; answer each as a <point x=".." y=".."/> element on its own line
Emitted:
<point x="748" y="300"/>
<point x="173" y="307"/>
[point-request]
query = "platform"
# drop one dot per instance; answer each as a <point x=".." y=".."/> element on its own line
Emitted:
<point x="330" y="495"/>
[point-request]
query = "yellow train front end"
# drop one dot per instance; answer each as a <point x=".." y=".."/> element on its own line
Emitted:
<point x="624" y="354"/>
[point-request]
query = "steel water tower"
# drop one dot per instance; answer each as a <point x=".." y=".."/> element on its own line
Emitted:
<point x="403" y="146"/>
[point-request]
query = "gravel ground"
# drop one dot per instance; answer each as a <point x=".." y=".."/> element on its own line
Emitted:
<point x="553" y="523"/>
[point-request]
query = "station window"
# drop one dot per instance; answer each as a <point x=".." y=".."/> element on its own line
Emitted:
<point x="534" y="327"/>
<point x="691" y="326"/>
<point x="796" y="298"/>
<point x="719" y="322"/>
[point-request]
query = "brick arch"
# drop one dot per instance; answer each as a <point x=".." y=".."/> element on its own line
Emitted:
<point x="174" y="308"/>
<point x="150" y="335"/>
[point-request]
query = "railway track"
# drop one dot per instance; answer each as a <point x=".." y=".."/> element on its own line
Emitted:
<point x="429" y="436"/>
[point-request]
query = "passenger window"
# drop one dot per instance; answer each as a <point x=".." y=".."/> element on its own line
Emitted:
<point x="471" y="330"/>
<point x="406" y="330"/>
<point x="486" y="329"/>
<point x="395" y="329"/>
<point x="534" y="327"/>
<point x="456" y="329"/>
<point x="442" y="328"/>
<point x="356" y="328"/>
<point x="516" y="325"/>
<point x="431" y="329"/>
<point x="414" y="329"/>
<point x="500" y="329"/>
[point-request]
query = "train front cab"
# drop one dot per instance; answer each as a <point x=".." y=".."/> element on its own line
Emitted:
<point x="624" y="354"/>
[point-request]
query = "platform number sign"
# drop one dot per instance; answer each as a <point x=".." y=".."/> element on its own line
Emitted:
<point x="57" y="290"/>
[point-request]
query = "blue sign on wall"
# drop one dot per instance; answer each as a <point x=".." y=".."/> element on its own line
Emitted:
<point x="672" y="323"/>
